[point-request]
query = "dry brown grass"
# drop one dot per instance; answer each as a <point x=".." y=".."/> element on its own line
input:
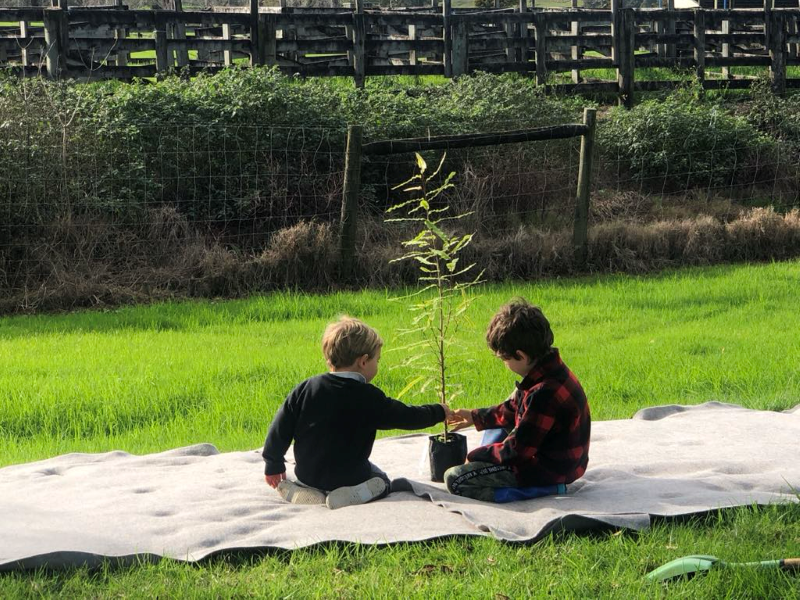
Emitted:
<point x="304" y="256"/>
<point x="88" y="263"/>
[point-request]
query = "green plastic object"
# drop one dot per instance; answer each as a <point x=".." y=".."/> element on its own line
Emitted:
<point x="691" y="565"/>
<point x="680" y="567"/>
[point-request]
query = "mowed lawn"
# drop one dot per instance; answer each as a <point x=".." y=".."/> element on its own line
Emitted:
<point x="144" y="379"/>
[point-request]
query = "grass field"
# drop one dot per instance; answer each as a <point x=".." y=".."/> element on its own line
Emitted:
<point x="144" y="379"/>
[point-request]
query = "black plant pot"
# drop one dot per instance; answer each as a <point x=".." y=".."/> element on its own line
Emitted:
<point x="444" y="454"/>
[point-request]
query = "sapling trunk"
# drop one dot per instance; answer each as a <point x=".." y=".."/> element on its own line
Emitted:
<point x="441" y="335"/>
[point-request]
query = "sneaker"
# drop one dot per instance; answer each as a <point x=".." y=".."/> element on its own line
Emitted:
<point x="356" y="494"/>
<point x="298" y="494"/>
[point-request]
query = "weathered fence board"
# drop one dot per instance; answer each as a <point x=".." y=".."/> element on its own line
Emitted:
<point x="359" y="43"/>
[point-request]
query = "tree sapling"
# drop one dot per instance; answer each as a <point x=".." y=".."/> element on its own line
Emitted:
<point x="440" y="303"/>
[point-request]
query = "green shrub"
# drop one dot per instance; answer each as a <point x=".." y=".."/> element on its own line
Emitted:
<point x="245" y="148"/>
<point x="479" y="103"/>
<point x="777" y="116"/>
<point x="682" y="142"/>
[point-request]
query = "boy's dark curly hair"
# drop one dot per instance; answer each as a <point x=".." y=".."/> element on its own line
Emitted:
<point x="517" y="326"/>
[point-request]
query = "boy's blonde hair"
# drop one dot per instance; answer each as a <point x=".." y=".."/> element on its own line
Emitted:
<point x="347" y="339"/>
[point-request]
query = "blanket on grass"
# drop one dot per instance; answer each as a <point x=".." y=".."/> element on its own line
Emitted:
<point x="191" y="502"/>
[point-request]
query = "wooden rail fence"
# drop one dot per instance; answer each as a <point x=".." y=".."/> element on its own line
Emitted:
<point x="568" y="49"/>
<point x="357" y="149"/>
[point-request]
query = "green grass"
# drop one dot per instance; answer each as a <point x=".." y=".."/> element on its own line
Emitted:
<point x="144" y="379"/>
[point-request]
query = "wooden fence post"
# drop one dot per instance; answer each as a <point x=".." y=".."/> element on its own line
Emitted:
<point x="64" y="6"/>
<point x="359" y="44"/>
<point x="53" y="39"/>
<point x="522" y="52"/>
<point x="348" y="33"/>
<point x="671" y="49"/>
<point x="508" y="28"/>
<point x="176" y="30"/>
<point x="700" y="45"/>
<point x="726" y="48"/>
<point x="576" y="50"/>
<point x="447" y="38"/>
<point x="615" y="31"/>
<point x="460" y="46"/>
<point x="120" y="33"/>
<point x="791" y="30"/>
<point x="412" y="35"/>
<point x="227" y="54"/>
<point x="540" y="25"/>
<point x="163" y="63"/>
<point x="626" y="62"/>
<point x="580" y="232"/>
<point x="659" y="27"/>
<point x="776" y="39"/>
<point x="255" y="35"/>
<point x="350" y="193"/>
<point x="270" y="40"/>
<point x="23" y="33"/>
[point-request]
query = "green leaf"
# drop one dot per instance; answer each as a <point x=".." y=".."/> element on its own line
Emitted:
<point x="421" y="164"/>
<point x="439" y="168"/>
<point x="409" y="385"/>
<point x="403" y="204"/>
<point x="404" y="219"/>
<point x="453" y="218"/>
<point x="406" y="182"/>
<point x="439" y="233"/>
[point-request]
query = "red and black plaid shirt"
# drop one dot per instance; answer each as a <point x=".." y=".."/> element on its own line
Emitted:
<point x="549" y="423"/>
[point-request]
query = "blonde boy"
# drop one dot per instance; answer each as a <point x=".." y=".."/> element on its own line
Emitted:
<point x="333" y="419"/>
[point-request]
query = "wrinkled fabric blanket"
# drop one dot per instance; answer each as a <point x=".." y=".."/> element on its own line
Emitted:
<point x="190" y="502"/>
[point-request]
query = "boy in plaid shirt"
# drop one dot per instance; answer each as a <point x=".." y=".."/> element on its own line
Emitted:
<point x="539" y="437"/>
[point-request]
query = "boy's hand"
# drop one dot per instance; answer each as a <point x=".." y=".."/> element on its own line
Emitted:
<point x="460" y="419"/>
<point x="274" y="480"/>
<point x="448" y="412"/>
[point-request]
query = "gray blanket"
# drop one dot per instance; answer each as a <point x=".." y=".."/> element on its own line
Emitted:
<point x="191" y="502"/>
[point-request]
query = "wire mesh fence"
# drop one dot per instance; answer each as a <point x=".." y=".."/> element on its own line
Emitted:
<point x="92" y="214"/>
<point x="500" y="187"/>
<point x="700" y="168"/>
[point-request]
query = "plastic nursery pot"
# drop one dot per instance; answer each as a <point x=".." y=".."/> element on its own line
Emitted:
<point x="446" y="453"/>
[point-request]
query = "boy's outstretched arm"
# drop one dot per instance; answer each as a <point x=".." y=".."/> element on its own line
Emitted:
<point x="502" y="415"/>
<point x="281" y="433"/>
<point x="393" y="414"/>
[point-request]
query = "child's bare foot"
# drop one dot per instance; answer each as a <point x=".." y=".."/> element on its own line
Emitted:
<point x="298" y="494"/>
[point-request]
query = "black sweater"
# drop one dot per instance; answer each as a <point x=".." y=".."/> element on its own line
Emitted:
<point x="333" y="421"/>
